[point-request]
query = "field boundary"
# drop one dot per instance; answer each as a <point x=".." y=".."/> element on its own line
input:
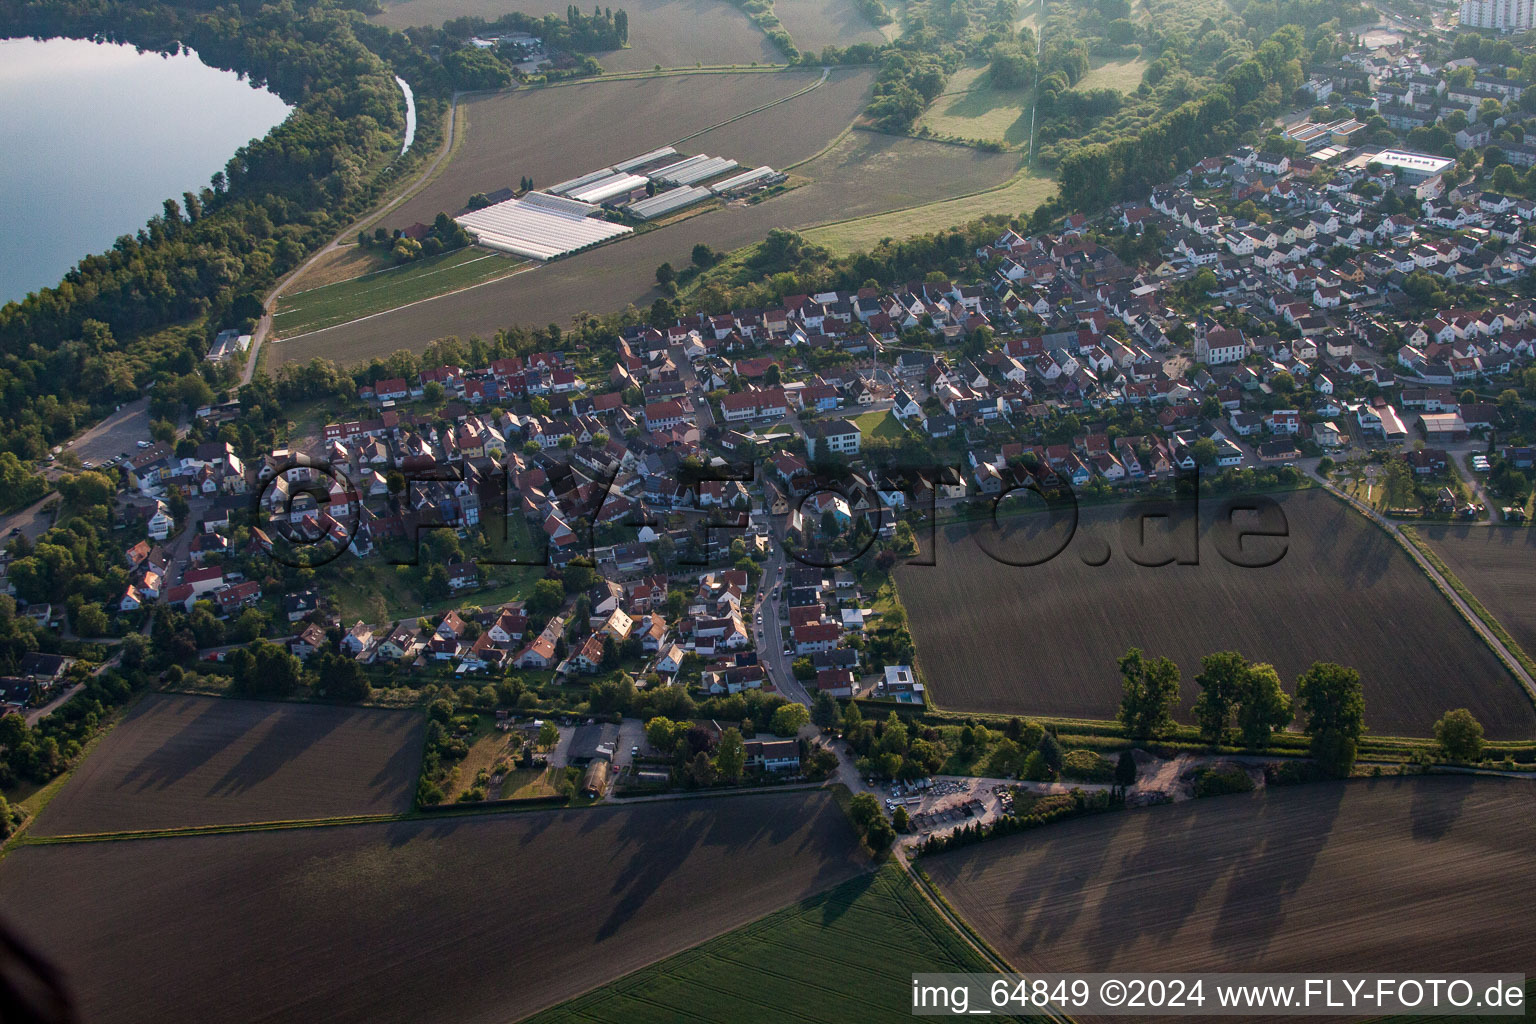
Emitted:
<point x="1478" y="608"/>
<point x="431" y="298"/>
<point x="1442" y="582"/>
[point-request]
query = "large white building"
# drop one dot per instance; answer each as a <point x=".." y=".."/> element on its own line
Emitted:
<point x="1503" y="15"/>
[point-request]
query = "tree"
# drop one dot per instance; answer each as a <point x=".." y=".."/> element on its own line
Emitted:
<point x="1051" y="753"/>
<point x="824" y="711"/>
<point x="1219" y="678"/>
<point x="1125" y="771"/>
<point x="1150" y="692"/>
<point x="1262" y="705"/>
<point x="731" y="755"/>
<point x="1204" y="451"/>
<point x="788" y="718"/>
<point x="339" y="677"/>
<point x="549" y="734"/>
<point x="661" y="733"/>
<point x="547" y="596"/>
<point x="901" y="821"/>
<point x="1334" y="705"/>
<point x="1459" y="735"/>
<point x="665" y="275"/>
<point x="5" y="815"/>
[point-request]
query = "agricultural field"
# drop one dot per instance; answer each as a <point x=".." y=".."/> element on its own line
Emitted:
<point x="817" y="24"/>
<point x="1120" y="75"/>
<point x="470" y="918"/>
<point x="970" y="108"/>
<point x="862" y="174"/>
<point x="328" y="305"/>
<point x="1020" y="194"/>
<point x="1343" y="591"/>
<point x="556" y="133"/>
<point x="1374" y="874"/>
<point x="182" y="761"/>
<point x="672" y="33"/>
<point x="1498" y="564"/>
<point x="846" y="955"/>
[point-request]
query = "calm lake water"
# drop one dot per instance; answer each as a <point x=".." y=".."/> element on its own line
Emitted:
<point x="97" y="137"/>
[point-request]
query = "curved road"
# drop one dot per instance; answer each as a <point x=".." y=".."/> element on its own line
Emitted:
<point x="269" y="303"/>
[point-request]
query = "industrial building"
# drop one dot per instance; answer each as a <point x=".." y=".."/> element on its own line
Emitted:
<point x="540" y="226"/>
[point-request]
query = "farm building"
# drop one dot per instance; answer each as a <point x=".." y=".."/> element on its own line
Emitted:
<point x="693" y="170"/>
<point x="667" y="202"/>
<point x="608" y="187"/>
<point x="565" y="188"/>
<point x="644" y="159"/>
<point x="540" y="226"/>
<point x="760" y="177"/>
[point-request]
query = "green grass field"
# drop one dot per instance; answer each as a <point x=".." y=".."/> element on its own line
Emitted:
<point x="970" y="108"/>
<point x="847" y="954"/>
<point x="1124" y="75"/>
<point x="345" y="301"/>
<point x="879" y="424"/>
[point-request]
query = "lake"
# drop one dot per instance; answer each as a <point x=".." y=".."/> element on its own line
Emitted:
<point x="97" y="137"/>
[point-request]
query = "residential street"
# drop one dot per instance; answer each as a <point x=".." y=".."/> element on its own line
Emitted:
<point x="766" y="625"/>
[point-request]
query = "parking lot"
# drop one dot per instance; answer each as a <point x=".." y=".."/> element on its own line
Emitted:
<point x="119" y="433"/>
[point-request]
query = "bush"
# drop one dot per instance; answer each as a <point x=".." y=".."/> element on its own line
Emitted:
<point x="1087" y="766"/>
<point x="1221" y="781"/>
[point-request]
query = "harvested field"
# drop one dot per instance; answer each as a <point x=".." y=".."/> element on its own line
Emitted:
<point x="482" y="918"/>
<point x="817" y="24"/>
<point x="1374" y="875"/>
<point x="864" y="173"/>
<point x="672" y="33"/>
<point x="556" y="133"/>
<point x="180" y="761"/>
<point x="1044" y="639"/>
<point x="846" y="955"/>
<point x="1018" y="196"/>
<point x="970" y="108"/>
<point x="1498" y="564"/>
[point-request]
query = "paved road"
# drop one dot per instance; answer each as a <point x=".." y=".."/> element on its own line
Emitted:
<point x="765" y="630"/>
<point x="31" y="521"/>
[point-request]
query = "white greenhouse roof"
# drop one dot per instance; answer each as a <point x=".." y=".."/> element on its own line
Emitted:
<point x="539" y="226"/>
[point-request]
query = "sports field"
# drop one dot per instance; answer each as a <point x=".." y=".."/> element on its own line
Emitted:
<point x="1372" y="874"/>
<point x="475" y="919"/>
<point x="846" y="955"/>
<point x="1044" y="639"/>
<point x="672" y="33"/>
<point x="331" y="304"/>
<point x="180" y="761"/>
